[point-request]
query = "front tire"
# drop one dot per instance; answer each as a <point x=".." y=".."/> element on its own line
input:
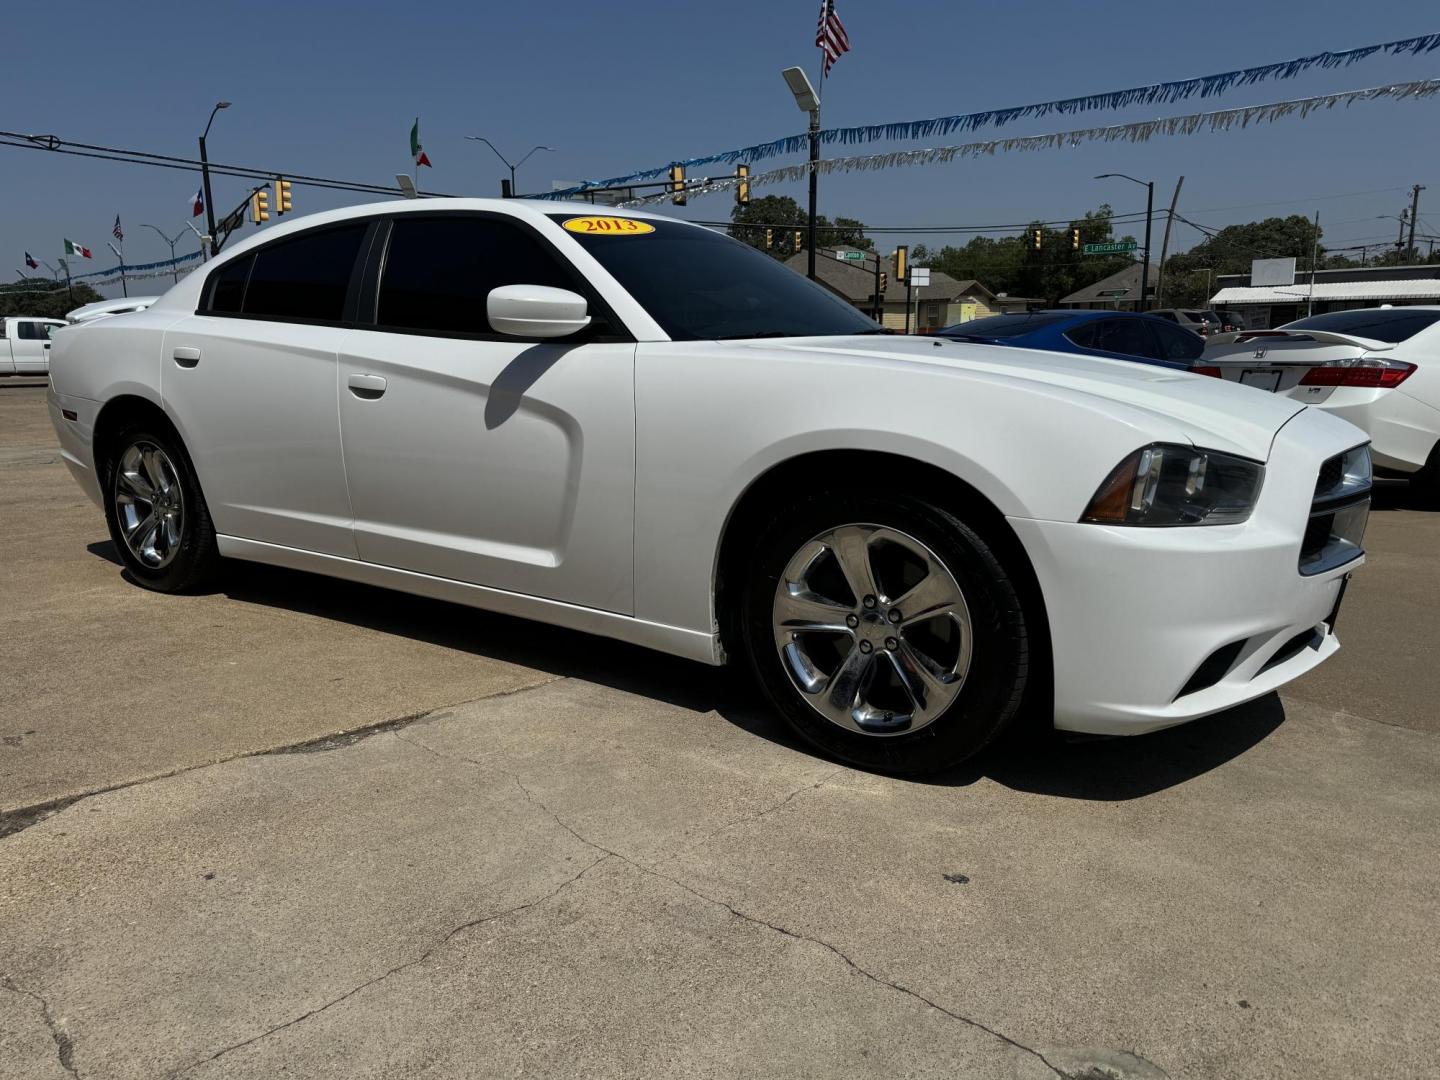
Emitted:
<point x="158" y="519"/>
<point x="885" y="630"/>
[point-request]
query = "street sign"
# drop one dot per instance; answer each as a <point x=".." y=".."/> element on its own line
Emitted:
<point x="1118" y="247"/>
<point x="919" y="275"/>
<point x="851" y="256"/>
<point x="1113" y="292"/>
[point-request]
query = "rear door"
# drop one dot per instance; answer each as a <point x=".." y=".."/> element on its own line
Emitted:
<point x="1119" y="339"/>
<point x="251" y="382"/>
<point x="480" y="457"/>
<point x="29" y="345"/>
<point x="7" y="362"/>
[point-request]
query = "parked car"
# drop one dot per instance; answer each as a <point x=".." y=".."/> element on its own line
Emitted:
<point x="1379" y="368"/>
<point x="1200" y="322"/>
<point x="1230" y="319"/>
<point x="25" y="344"/>
<point x="1117" y="335"/>
<point x="102" y="308"/>
<point x="640" y="428"/>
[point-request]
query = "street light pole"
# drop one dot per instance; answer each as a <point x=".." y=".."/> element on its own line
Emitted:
<point x="1149" y="186"/>
<point x="510" y="194"/>
<point x="124" y="286"/>
<point x="205" y="176"/>
<point x="204" y="240"/>
<point x="174" y="270"/>
<point x="809" y="102"/>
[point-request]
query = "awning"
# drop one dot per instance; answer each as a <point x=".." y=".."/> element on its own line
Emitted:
<point x="1378" y="291"/>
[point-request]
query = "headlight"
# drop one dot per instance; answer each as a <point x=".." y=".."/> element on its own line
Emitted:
<point x="1165" y="484"/>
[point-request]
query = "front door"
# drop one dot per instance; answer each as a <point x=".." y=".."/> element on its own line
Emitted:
<point x="31" y="346"/>
<point x="251" y="383"/>
<point x="483" y="458"/>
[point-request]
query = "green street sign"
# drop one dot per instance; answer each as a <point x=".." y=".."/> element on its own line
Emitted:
<point x="853" y="256"/>
<point x="1113" y="292"/>
<point x="1116" y="248"/>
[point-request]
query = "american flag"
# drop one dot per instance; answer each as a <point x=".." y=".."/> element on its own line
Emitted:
<point x="830" y="36"/>
<point x="119" y="235"/>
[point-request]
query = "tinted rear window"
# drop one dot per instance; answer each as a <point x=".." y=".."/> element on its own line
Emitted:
<point x="227" y="288"/>
<point x="1005" y="326"/>
<point x="1387" y="324"/>
<point x="305" y="278"/>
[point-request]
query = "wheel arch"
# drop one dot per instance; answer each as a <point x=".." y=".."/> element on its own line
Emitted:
<point x="770" y="490"/>
<point x="116" y="413"/>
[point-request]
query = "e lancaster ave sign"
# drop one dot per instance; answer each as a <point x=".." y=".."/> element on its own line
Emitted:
<point x="1116" y="248"/>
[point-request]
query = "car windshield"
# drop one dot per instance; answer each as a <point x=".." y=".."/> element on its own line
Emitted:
<point x="1005" y="326"/>
<point x="701" y="285"/>
<point x="1378" y="324"/>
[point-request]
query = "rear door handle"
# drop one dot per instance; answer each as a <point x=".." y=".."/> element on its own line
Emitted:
<point x="187" y="357"/>
<point x="366" y="387"/>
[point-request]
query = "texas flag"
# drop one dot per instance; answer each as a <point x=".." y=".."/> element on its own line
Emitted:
<point x="30" y="262"/>
<point x="197" y="204"/>
<point x="72" y="248"/>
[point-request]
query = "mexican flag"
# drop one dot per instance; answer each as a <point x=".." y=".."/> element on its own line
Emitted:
<point x="72" y="248"/>
<point x="416" y="150"/>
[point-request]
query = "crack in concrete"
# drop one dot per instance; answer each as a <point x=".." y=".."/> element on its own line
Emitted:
<point x="20" y="818"/>
<point x="416" y="961"/>
<point x="64" y="1045"/>
<point x="777" y="928"/>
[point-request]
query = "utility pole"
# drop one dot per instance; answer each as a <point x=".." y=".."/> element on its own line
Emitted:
<point x="1414" y="213"/>
<point x="1165" y="245"/>
<point x="1314" y="258"/>
<point x="69" y="285"/>
<point x="205" y="177"/>
<point x="1400" y="237"/>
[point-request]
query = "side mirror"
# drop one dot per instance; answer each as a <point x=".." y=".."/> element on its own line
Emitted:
<point x="535" y="311"/>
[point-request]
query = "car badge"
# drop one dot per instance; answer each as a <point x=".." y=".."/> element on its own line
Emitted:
<point x="1260" y="353"/>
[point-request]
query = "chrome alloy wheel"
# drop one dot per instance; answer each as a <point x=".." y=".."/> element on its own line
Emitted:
<point x="872" y="629"/>
<point x="149" y="504"/>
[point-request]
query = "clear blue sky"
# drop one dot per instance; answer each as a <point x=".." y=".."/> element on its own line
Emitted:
<point x="331" y="89"/>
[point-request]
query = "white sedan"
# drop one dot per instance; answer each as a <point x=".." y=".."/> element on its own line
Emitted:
<point x="1379" y="368"/>
<point x="644" y="429"/>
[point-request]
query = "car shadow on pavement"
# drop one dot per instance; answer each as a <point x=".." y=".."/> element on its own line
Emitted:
<point x="1038" y="761"/>
<point x="1401" y="495"/>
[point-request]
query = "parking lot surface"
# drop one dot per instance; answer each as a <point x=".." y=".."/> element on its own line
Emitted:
<point x="301" y="827"/>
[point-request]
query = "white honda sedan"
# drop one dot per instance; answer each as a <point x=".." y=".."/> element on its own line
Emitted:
<point x="644" y="429"/>
<point x="1379" y="368"/>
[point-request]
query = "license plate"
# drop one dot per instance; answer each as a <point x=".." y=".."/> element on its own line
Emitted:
<point x="1261" y="380"/>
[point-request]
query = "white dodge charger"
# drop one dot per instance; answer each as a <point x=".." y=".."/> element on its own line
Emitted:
<point x="643" y="429"/>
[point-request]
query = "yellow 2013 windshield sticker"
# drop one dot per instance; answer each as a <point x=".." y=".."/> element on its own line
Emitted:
<point x="608" y="226"/>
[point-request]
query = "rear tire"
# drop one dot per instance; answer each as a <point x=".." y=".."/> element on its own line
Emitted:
<point x="158" y="519"/>
<point x="914" y="676"/>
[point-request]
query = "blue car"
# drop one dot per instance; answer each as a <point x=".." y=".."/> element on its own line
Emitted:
<point x="1118" y="335"/>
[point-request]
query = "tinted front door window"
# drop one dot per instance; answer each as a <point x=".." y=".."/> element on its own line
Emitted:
<point x="305" y="278"/>
<point x="1130" y="337"/>
<point x="439" y="271"/>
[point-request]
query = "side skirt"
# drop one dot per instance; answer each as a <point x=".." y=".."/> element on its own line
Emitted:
<point x="690" y="644"/>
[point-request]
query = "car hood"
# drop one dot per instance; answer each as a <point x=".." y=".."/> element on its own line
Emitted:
<point x="1213" y="413"/>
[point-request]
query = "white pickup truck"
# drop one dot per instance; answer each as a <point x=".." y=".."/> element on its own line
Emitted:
<point x="25" y="344"/>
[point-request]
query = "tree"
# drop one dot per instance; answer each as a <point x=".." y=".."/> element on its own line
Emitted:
<point x="782" y="215"/>
<point x="43" y="297"/>
<point x="1233" y="248"/>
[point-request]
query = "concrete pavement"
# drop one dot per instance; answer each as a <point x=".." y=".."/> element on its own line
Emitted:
<point x="556" y="856"/>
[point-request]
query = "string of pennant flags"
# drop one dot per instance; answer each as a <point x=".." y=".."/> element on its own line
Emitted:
<point x="1136" y="132"/>
<point x="1154" y="93"/>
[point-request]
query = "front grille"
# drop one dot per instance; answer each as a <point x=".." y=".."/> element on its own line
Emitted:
<point x="1294" y="647"/>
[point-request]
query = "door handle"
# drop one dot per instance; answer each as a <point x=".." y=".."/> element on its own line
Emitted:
<point x="366" y="387"/>
<point x="186" y="357"/>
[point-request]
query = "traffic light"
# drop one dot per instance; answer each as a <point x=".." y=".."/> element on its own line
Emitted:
<point x="677" y="184"/>
<point x="742" y="189"/>
<point x="902" y="256"/>
<point x="884" y="282"/>
<point x="769" y="239"/>
<point x="282" y="197"/>
<point x="799" y="239"/>
<point x="1036" y="234"/>
<point x="260" y="206"/>
<point x="1074" y="239"/>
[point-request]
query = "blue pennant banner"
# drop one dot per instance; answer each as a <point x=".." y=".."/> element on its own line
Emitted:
<point x="1137" y="132"/>
<point x="1180" y="90"/>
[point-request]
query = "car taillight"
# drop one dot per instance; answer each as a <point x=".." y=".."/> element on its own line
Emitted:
<point x="1375" y="374"/>
<point x="1213" y="372"/>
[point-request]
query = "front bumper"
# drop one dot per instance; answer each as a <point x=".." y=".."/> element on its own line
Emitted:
<point x="77" y="438"/>
<point x="1136" y="613"/>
